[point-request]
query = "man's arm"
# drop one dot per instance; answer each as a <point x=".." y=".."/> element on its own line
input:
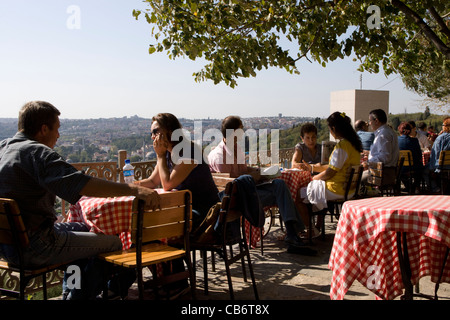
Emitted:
<point x="96" y="187"/>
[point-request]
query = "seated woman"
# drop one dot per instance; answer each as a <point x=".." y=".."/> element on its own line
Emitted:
<point x="329" y="184"/>
<point x="178" y="168"/>
<point x="406" y="142"/>
<point x="308" y="154"/>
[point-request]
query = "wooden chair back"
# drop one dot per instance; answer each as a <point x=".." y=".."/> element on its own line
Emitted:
<point x="353" y="180"/>
<point x="375" y="173"/>
<point x="173" y="219"/>
<point x="13" y="232"/>
<point x="407" y="156"/>
<point x="377" y="178"/>
<point x="444" y="167"/>
<point x="444" y="159"/>
<point x="221" y="180"/>
<point x="12" y="228"/>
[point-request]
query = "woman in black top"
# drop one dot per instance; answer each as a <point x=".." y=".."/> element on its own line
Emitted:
<point x="180" y="166"/>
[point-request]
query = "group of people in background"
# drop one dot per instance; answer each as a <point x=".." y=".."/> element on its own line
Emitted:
<point x="33" y="174"/>
<point x="415" y="139"/>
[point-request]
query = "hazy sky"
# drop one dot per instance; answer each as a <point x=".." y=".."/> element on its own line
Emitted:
<point x="102" y="69"/>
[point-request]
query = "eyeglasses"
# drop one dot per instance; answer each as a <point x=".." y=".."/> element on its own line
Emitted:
<point x="154" y="131"/>
<point x="445" y="125"/>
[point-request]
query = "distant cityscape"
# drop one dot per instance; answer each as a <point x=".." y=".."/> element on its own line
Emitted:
<point x="91" y="140"/>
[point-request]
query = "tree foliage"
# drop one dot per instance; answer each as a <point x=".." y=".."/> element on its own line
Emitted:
<point x="237" y="38"/>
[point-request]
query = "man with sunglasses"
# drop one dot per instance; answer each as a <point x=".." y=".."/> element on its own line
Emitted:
<point x="384" y="148"/>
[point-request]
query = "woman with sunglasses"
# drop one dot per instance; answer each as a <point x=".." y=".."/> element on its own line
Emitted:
<point x="179" y="166"/>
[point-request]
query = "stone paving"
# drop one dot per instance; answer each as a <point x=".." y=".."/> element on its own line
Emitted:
<point x="285" y="276"/>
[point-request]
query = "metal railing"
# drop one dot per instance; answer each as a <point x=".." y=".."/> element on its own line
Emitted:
<point x="109" y="170"/>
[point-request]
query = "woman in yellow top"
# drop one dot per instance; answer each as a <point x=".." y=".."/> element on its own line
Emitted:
<point x="329" y="184"/>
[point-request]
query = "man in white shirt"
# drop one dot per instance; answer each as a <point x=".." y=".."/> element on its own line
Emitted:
<point x="231" y="160"/>
<point x="384" y="148"/>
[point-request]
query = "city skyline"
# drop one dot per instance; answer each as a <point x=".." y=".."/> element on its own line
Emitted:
<point x="90" y="59"/>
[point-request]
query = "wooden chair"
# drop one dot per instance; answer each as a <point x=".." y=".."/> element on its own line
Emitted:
<point x="221" y="180"/>
<point x="229" y="213"/>
<point x="408" y="176"/>
<point x="353" y="181"/>
<point x="382" y="179"/>
<point x="13" y="232"/>
<point x="172" y="220"/>
<point x="444" y="170"/>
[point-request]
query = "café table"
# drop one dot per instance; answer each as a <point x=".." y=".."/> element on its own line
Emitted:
<point x="365" y="243"/>
<point x="105" y="215"/>
<point x="295" y="180"/>
<point x="108" y="216"/>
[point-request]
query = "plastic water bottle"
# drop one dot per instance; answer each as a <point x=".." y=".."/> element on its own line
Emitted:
<point x="128" y="172"/>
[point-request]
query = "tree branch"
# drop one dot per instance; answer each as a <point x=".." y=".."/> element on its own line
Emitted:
<point x="439" y="21"/>
<point x="429" y="33"/>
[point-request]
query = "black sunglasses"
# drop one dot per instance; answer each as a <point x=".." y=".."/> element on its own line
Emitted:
<point x="155" y="131"/>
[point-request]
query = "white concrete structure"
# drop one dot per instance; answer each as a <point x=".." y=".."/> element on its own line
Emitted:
<point x="358" y="103"/>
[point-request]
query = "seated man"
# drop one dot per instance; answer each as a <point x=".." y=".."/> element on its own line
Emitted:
<point x="33" y="174"/>
<point x="384" y="148"/>
<point x="367" y="137"/>
<point x="422" y="135"/>
<point x="226" y="160"/>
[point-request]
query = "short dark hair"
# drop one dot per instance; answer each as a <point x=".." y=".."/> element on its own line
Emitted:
<point x="412" y="123"/>
<point x="360" y="125"/>
<point x="169" y="122"/>
<point x="379" y="114"/>
<point x="231" y="122"/>
<point x="306" y="128"/>
<point x="34" y="114"/>
<point x="404" y="128"/>
<point x="422" y="125"/>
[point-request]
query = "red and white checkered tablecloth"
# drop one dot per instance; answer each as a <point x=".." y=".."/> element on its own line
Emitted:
<point x="294" y="179"/>
<point x="426" y="157"/>
<point x="365" y="244"/>
<point x="105" y="215"/>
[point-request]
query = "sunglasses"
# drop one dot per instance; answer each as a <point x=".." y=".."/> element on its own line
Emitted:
<point x="154" y="131"/>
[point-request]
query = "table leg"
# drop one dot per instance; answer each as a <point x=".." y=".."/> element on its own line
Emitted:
<point x="405" y="267"/>
<point x="436" y="288"/>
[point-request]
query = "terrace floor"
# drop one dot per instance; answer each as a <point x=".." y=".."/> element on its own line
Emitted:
<point x="285" y="276"/>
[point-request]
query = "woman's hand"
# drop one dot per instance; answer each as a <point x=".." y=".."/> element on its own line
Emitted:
<point x="306" y="166"/>
<point x="160" y="144"/>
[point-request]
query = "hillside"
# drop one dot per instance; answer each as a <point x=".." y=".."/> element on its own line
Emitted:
<point x="83" y="140"/>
